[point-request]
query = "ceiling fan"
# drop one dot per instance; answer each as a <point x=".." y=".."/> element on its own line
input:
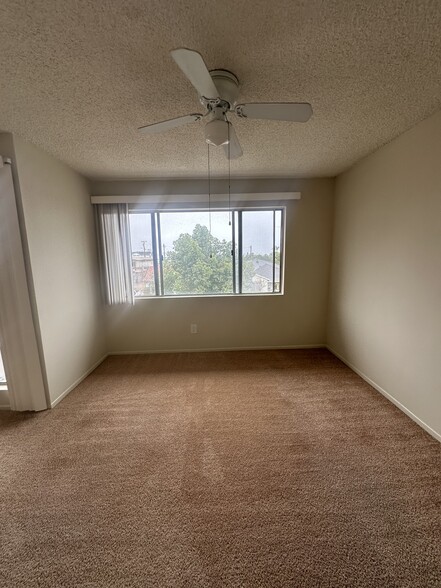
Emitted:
<point x="218" y="92"/>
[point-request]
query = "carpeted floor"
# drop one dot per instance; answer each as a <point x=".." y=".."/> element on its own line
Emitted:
<point x="239" y="469"/>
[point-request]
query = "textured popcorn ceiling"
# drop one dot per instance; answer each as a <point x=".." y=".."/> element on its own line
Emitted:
<point x="77" y="77"/>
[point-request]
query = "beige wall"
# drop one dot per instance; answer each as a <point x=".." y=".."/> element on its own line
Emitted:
<point x="62" y="250"/>
<point x="297" y="318"/>
<point x="385" y="300"/>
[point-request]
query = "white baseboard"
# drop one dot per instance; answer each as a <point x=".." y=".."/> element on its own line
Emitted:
<point x="210" y="349"/>
<point x="78" y="381"/>
<point x="392" y="399"/>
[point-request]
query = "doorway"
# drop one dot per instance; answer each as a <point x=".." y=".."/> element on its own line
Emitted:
<point x="4" y="397"/>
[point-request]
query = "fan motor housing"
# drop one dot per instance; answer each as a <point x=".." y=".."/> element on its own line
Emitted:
<point x="227" y="84"/>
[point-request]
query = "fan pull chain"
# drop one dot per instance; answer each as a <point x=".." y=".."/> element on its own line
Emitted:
<point x="229" y="177"/>
<point x="209" y="200"/>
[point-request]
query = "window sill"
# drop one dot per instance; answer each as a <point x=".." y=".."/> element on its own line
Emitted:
<point x="189" y="296"/>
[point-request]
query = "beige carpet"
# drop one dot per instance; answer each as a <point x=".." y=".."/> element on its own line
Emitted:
<point x="240" y="469"/>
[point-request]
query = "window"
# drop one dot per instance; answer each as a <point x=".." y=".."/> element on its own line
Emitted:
<point x="197" y="252"/>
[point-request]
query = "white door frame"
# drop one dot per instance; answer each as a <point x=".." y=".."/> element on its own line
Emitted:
<point x="19" y="340"/>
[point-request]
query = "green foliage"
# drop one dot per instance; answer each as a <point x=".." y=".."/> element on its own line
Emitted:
<point x="189" y="269"/>
<point x="247" y="273"/>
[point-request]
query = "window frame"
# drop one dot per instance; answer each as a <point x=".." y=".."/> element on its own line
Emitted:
<point x="236" y="223"/>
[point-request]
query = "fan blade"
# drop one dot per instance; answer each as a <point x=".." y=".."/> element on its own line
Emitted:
<point x="234" y="150"/>
<point x="166" y="125"/>
<point x="292" y="111"/>
<point x="193" y="66"/>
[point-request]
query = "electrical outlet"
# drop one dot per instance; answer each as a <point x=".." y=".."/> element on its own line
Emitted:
<point x="193" y="328"/>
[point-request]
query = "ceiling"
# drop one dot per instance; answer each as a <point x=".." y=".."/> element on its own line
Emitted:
<point x="78" y="77"/>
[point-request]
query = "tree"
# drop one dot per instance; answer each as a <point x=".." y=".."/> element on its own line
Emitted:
<point x="198" y="264"/>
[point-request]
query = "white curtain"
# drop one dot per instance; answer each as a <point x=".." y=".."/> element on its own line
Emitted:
<point x="115" y="252"/>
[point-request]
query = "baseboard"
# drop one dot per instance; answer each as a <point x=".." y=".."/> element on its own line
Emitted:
<point x="5" y="407"/>
<point x="392" y="399"/>
<point x="210" y="349"/>
<point x="78" y="381"/>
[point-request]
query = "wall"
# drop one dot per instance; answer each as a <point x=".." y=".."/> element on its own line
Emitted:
<point x="63" y="260"/>
<point x="297" y="318"/>
<point x="385" y="297"/>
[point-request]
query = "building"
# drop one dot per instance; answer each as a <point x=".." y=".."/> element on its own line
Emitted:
<point x="266" y="276"/>
<point x="142" y="272"/>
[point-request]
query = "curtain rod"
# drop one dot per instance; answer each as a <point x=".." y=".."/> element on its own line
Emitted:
<point x="194" y="198"/>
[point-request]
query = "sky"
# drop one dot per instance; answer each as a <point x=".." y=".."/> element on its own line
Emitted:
<point x="257" y="228"/>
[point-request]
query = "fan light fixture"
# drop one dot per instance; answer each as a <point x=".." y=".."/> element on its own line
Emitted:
<point x="216" y="132"/>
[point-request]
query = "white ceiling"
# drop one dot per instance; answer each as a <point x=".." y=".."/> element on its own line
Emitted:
<point x="78" y="77"/>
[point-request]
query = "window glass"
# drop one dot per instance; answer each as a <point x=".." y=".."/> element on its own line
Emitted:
<point x="142" y="254"/>
<point x="259" y="272"/>
<point x="196" y="253"/>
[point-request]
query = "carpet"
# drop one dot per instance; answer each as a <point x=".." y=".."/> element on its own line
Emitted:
<point x="233" y="469"/>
